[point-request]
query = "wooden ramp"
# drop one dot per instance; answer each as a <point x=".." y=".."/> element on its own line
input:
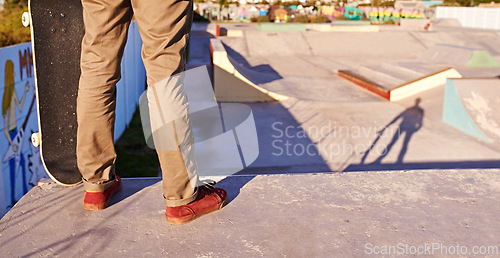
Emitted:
<point x="396" y="82"/>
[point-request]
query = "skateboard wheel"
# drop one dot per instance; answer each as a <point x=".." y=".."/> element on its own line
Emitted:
<point x="35" y="139"/>
<point x="26" y="19"/>
<point x="44" y="181"/>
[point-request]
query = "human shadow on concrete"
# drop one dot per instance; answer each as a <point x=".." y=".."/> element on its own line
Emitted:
<point x="284" y="147"/>
<point x="132" y="186"/>
<point x="411" y="121"/>
<point x="233" y="185"/>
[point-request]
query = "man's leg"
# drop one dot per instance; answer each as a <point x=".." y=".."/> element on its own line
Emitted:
<point x="106" y="26"/>
<point x="164" y="26"/>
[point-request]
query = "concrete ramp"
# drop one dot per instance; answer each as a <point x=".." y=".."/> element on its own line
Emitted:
<point x="326" y="27"/>
<point x="472" y="106"/>
<point x="233" y="83"/>
<point x="277" y="44"/>
<point x="394" y="82"/>
<point x="282" y="27"/>
<point x="458" y="56"/>
<point x="414" y="24"/>
<point x="447" y="23"/>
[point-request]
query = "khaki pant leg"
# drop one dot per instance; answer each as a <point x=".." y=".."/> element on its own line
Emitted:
<point x="106" y="27"/>
<point x="164" y="26"/>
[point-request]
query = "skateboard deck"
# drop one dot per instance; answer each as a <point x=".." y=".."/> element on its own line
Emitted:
<point x="56" y="33"/>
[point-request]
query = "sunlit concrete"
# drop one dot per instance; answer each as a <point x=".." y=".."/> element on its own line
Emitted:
<point x="317" y="215"/>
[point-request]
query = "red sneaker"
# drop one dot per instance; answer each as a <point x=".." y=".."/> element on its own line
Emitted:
<point x="94" y="201"/>
<point x="209" y="199"/>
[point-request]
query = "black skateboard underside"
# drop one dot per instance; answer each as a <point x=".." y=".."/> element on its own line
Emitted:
<point x="57" y="32"/>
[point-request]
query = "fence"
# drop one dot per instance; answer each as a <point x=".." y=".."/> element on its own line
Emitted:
<point x="21" y="167"/>
<point x="473" y="17"/>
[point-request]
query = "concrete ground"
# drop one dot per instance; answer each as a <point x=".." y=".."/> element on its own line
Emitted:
<point x="318" y="215"/>
<point x="438" y="189"/>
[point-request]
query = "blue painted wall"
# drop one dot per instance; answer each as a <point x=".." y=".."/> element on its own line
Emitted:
<point x="20" y="170"/>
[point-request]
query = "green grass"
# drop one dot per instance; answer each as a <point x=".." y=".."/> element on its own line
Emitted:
<point x="134" y="157"/>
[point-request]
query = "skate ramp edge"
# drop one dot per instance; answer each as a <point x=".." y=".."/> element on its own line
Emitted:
<point x="482" y="58"/>
<point x="230" y="85"/>
<point x="459" y="55"/>
<point x="364" y="83"/>
<point x="281" y="27"/>
<point x="404" y="90"/>
<point x="470" y="105"/>
<point x="424" y="83"/>
<point x="414" y="24"/>
<point x="215" y="30"/>
<point x="446" y="23"/>
<point x="322" y="27"/>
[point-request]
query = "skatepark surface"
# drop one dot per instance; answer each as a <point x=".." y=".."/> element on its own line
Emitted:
<point x="303" y="65"/>
<point x="313" y="215"/>
<point x="340" y="170"/>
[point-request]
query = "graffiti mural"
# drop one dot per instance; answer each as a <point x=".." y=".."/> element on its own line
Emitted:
<point x="377" y="15"/>
<point x="353" y="13"/>
<point x="382" y="15"/>
<point x="21" y="166"/>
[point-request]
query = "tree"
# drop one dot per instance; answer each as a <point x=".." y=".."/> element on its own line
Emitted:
<point x="11" y="29"/>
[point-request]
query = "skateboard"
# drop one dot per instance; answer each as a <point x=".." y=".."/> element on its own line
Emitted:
<point x="56" y="34"/>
